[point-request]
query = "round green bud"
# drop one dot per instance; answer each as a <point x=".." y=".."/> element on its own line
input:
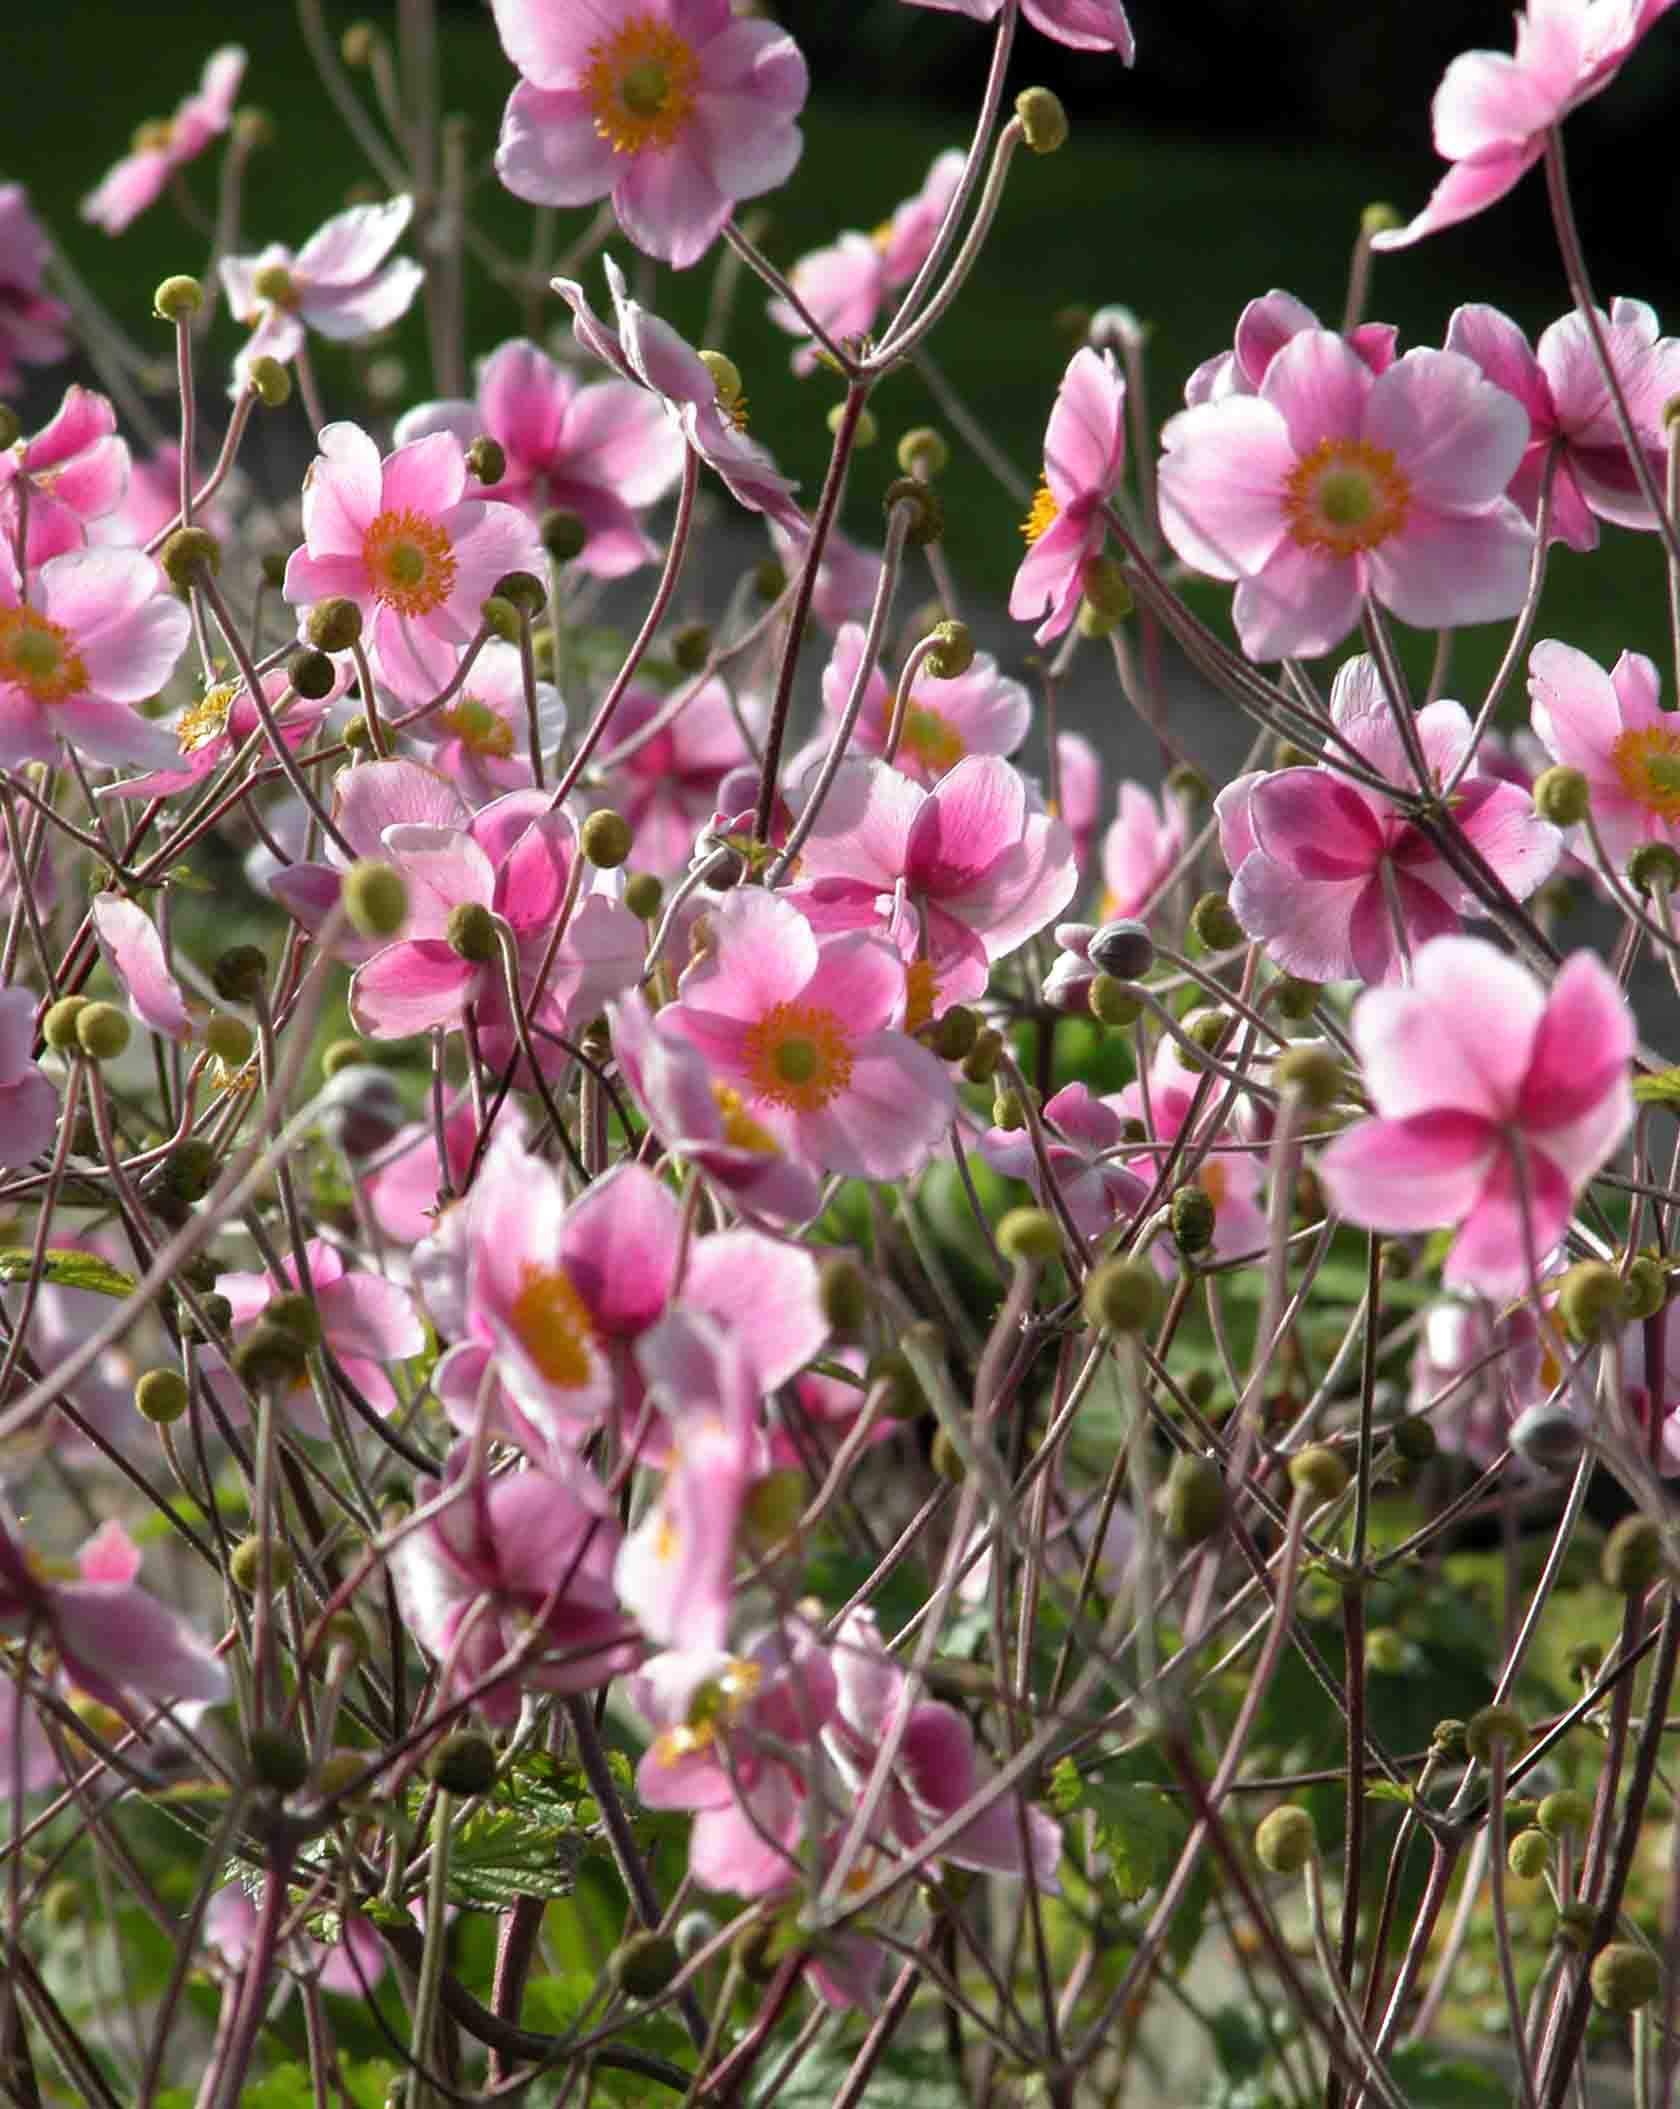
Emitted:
<point x="750" y="1951"/>
<point x="1521" y="1812"/>
<point x="271" y="1358"/>
<point x="375" y="897"/>
<point x="1633" y="1555"/>
<point x="955" y="1033"/>
<point x="1378" y="218"/>
<point x="358" y="739"/>
<point x="952" y="653"/>
<point x="160" y="1396"/>
<point x="1319" y="1473"/>
<point x="769" y="577"/>
<point x="334" y="625"/>
<point x="1654" y="867"/>
<point x="487" y="459"/>
<point x="864" y="433"/>
<point x="1105" y="596"/>
<point x="1111" y="1002"/>
<point x="606" y="839"/>
<point x="1494" y="1724"/>
<point x="1565" y="1814"/>
<point x="1029" y="1237"/>
<point x="946" y="1459"/>
<point x="1216" y="928"/>
<point x="925" y="513"/>
<point x="643" y="1965"/>
<point x="846" y="1298"/>
<point x="245" y="1564"/>
<point x="1644" y="1286"/>
<point x="253" y="128"/>
<point x="11" y="429"/>
<point x="1297" y="1000"/>
<point x="273" y="563"/>
<point x="337" y="1774"/>
<point x="1449" y="1739"/>
<point x="1561" y="795"/>
<point x="523" y="589"/>
<point x="564" y="535"/>
<point x="1123" y="948"/>
<point x="271" y="382"/>
<point x="1285" y="1840"/>
<point x="691" y="646"/>
<point x="464" y="1763"/>
<point x="58" y="1027"/>
<point x="1528" y="1854"/>
<point x="102" y="1031"/>
<point x="1386" y="1652"/>
<point x="501" y="618"/>
<point x="1044" y="124"/>
<point x="240" y="974"/>
<point x="1193" y="1218"/>
<point x="1185" y="781"/>
<point x="1415" y="1439"/>
<point x="296" y="1314"/>
<point x="905" y="1400"/>
<point x="1122" y="1296"/>
<point x="1590" y="1301"/>
<point x="357" y="45"/>
<point x="923" y="452"/>
<point x="470" y="933"/>
<point x="644" y="895"/>
<point x="277" y="1760"/>
<point x="61" y="1904"/>
<point x="1207" y="1032"/>
<point x="311" y="673"/>
<point x="1007" y="1110"/>
<point x="218" y="1316"/>
<point x="726" y="378"/>
<point x="229" y="1039"/>
<point x="1199" y="1387"/>
<point x="1313" y="1074"/>
<point x="1192" y="1499"/>
<point x="177" y="298"/>
<point x="1574" y="1926"/>
<point x="189" y="1171"/>
<point x="1625" y="1977"/>
<point x="189" y="554"/>
<point x="981" y="1059"/>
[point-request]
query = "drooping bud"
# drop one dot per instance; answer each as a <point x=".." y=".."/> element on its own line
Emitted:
<point x="1192" y="1499"/>
<point x="1565" y="1814"/>
<point x="245" y="1564"/>
<point x="953" y="652"/>
<point x="271" y="380"/>
<point x="1297" y="1000"/>
<point x="1415" y="1439"/>
<point x="1193" y="1218"/>
<point x="981" y="1061"/>
<point x="1633" y="1555"/>
<point x="1548" y="1437"/>
<point x="1654" y="867"/>
<point x="1112" y="1002"/>
<point x="644" y="1964"/>
<point x="277" y="1760"/>
<point x="1494" y="1724"/>
<point x="1590" y="1301"/>
<point x="240" y="974"/>
<point x="1044" y="123"/>
<point x="1216" y="928"/>
<point x="1312" y="1073"/>
<point x="1644" y="1286"/>
<point x="955" y="1034"/>
<point x="564" y="534"/>
<point x="464" y="1763"/>
<point x="1106" y="596"/>
<point x="271" y="1358"/>
<point x="643" y="895"/>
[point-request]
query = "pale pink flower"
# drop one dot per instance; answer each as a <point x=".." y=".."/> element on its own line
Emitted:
<point x="343" y="284"/>
<point x="357" y="1959"/>
<point x="213" y="730"/>
<point x="97" y="636"/>
<point x="1334" y="484"/>
<point x="1264" y="327"/>
<point x="1231" y="1178"/>
<point x="134" y="958"/>
<point x="604" y="452"/>
<point x="402" y="1184"/>
<point x="1083" y="1140"/>
<point x="906" y="240"/>
<point x="481" y="738"/>
<point x="980" y="712"/>
<point x="806" y="1032"/>
<point x="152" y="502"/>
<point x="667" y="790"/>
<point x="1143" y="843"/>
<point x="1088" y="25"/>
<point x="31" y="323"/>
<point x="841" y="286"/>
<point x="1079" y="779"/>
<point x="1084" y="460"/>
<point x="1496" y="1101"/>
<point x="76" y="470"/>
<point x="1492" y="113"/>
<point x="1571" y="416"/>
<point x="847" y="574"/>
<point x="1309" y="850"/>
<point x="673" y="108"/>
<point x="368" y="1324"/>
<point x="402" y="540"/>
<point x="28" y="1099"/>
<point x="164" y="145"/>
<point x="1614" y="730"/>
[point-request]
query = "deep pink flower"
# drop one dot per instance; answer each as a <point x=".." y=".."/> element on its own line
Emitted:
<point x="97" y="636"/>
<point x="163" y="145"/>
<point x="1083" y="1139"/>
<point x="402" y="540"/>
<point x="1264" y="327"/>
<point x="31" y="323"/>
<point x="1088" y="25"/>
<point x="1496" y="1100"/>
<point x="1614" y="730"/>
<point x="28" y="1098"/>
<point x="481" y="738"/>
<point x="673" y="108"/>
<point x="1334" y="483"/>
<point x="1084" y="460"/>
<point x="668" y="788"/>
<point x="343" y="283"/>
<point x="980" y="712"/>
<point x="1309" y="850"/>
<point x="1561" y="387"/>
<point x="1492" y="113"/>
<point x="76" y="470"/>
<point x="604" y="452"/>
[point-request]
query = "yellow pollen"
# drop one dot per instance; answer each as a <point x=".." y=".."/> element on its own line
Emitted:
<point x="1040" y="514"/>
<point x="1647" y="760"/>
<point x="478" y="728"/>
<point x="798" y="1055"/>
<point x="923" y="994"/>
<point x="641" y="85"/>
<point x="678" y="1743"/>
<point x="932" y="739"/>
<point x="739" y="1127"/>
<point x="553" y="1326"/>
<point x="882" y="235"/>
<point x="667" y="1540"/>
<point x="410" y="564"/>
<point x="1345" y="496"/>
<point x="38" y="656"/>
<point x="205" y="720"/>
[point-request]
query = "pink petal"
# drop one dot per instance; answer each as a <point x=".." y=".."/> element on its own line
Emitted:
<point x="409" y="988"/>
<point x="1491" y="1250"/>
<point x="1460" y="1038"/>
<point x="549" y="151"/>
<point x="1411" y="1174"/>
<point x="1221" y="477"/>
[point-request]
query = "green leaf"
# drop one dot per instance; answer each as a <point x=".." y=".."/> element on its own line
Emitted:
<point x="1428" y="2080"/>
<point x="1662" y="1089"/>
<point x="525" y="1839"/>
<point x="286" y="2087"/>
<point x="1386" y="1790"/>
<point x="66" y="1268"/>
<point x="1140" y="1830"/>
<point x="904" y="2079"/>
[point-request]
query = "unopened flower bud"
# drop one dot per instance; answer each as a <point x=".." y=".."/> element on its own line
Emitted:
<point x="464" y="1763"/>
<point x="333" y="625"/>
<point x="691" y="646"/>
<point x="642" y="1965"/>
<point x="1562" y="796"/>
<point x="361" y="1109"/>
<point x="1192" y="1499"/>
<point x="1007" y="1110"/>
<point x="470" y="933"/>
<point x="564" y="534"/>
<point x="312" y="674"/>
<point x="923" y="452"/>
<point x="1122" y="1296"/>
<point x="189" y="1171"/>
<point x="1565" y="1814"/>
<point x="953" y="653"/>
<point x="296" y="1314"/>
<point x="1194" y="1220"/>
<point x="924" y="510"/>
<point x="277" y="1760"/>
<point x="1187" y="784"/>
<point x="375" y="897"/>
<point x="178" y="297"/>
<point x="643" y="895"/>
<point x="1112" y="1002"/>
<point x="240" y="974"/>
<point x="865" y="431"/>
<point x="1494" y="1724"/>
<point x="1644" y="1287"/>
<point x="1528" y="1854"/>
<point x="1313" y="1074"/>
<point x="1123" y="948"/>
<point x="982" y="1058"/>
<point x="191" y="553"/>
<point x="1590" y="1301"/>
<point x="58" y="1027"/>
<point x="271" y="380"/>
<point x="1107" y="595"/>
<point x="1633" y="1555"/>
<point x="1378" y="218"/>
<point x="1448" y="1739"/>
<point x="1207" y="1032"/>
<point x="1297" y="1000"/>
<point x="905" y="1400"/>
<point x="1029" y="1236"/>
<point x="1044" y="124"/>
<point x="846" y="1297"/>
<point x="955" y="1034"/>
<point x="1415" y="1439"/>
<point x="270" y="1358"/>
<point x="606" y="839"/>
<point x="487" y="459"/>
<point x="1216" y="928"/>
<point x="160" y="1396"/>
<point x="1625" y="1977"/>
<point x="1574" y="1925"/>
<point x="356" y="46"/>
<point x="1285" y="1840"/>
<point x="102" y="1031"/>
<point x="245" y="1564"/>
<point x="1319" y="1473"/>
<point x="1548" y="1437"/>
<point x="1654" y="867"/>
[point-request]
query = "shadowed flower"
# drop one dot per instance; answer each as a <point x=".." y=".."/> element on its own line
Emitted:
<point x="31" y="323"/>
<point x="28" y="1097"/>
<point x="164" y="145"/>
<point x="1084" y="460"/>
<point x="76" y="471"/>
<point x="343" y="284"/>
<point x="1614" y="730"/>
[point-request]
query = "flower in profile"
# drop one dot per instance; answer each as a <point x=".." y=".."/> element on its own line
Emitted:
<point x="1323" y="867"/>
<point x="1264" y="327"/>
<point x="1491" y="113"/>
<point x="1614" y="730"/>
<point x="906" y="240"/>
<point x="134" y="958"/>
<point x="165" y="144"/>
<point x="1333" y="484"/>
<point x="343" y="283"/>
<point x="31" y="322"/>
<point x="980" y="712"/>
<point x="1496" y="1102"/>
<point x="1142" y="844"/>
<point x="401" y="539"/>
<point x="1571" y="416"/>
<point x="28" y="1098"/>
<point x="1088" y="25"/>
<point x="673" y="108"/>
<point x="214" y="729"/>
<point x="1084" y="459"/>
<point x="841" y="285"/>
<point x="603" y="452"/>
<point x="76" y="470"/>
<point x="1083" y="1138"/>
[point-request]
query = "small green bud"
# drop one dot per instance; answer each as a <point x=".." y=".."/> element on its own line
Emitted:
<point x="1378" y="218"/>
<point x="864" y="433"/>
<point x="946" y="1459"/>
<point x="923" y="452"/>
<point x="1625" y="1977"/>
<point x="923" y="506"/>
<point x="606" y="839"/>
<point x="1193" y="1218"/>
<point x="189" y="554"/>
<point x="1192" y="1499"/>
<point x="1574" y="1926"/>
<point x="1565" y="1814"/>
<point x="524" y="589"/>
<point x="357" y="45"/>
<point x="1123" y="948"/>
<point x="1494" y="1724"/>
<point x="1654" y="867"/>
<point x="1199" y="1387"/>
<point x="178" y="297"/>
<point x="271" y="381"/>
<point x="1561" y="795"/>
<point x="464" y="1763"/>
<point x="643" y="895"/>
<point x="1186" y="782"/>
<point x="1450" y="1739"/>
<point x="1111" y="1002"/>
<point x="1312" y="1073"/>
<point x="1528" y="1854"/>
<point x="564" y="534"/>
<point x="271" y="1358"/>
<point x="375" y="897"/>
<point x="1633" y="1555"/>
<point x="642" y="1965"/>
<point x="296" y="1314"/>
<point x="1029" y="1237"/>
<point x="1590" y="1302"/>
<point x="953" y="653"/>
<point x="1216" y="928"/>
<point x="102" y="1031"/>
<point x="218" y="1316"/>
<point x="229" y="1039"/>
<point x="1386" y="1652"/>
<point x="61" y="1904"/>
<point x="311" y="673"/>
<point x="189" y="1171"/>
<point x="240" y="974"/>
<point x="1122" y="1296"/>
<point x="277" y="1760"/>
<point x="1319" y="1473"/>
<point x="906" y="1401"/>
<point x="487" y="459"/>
<point x="470" y="933"/>
<point x="1297" y="1000"/>
<point x="501" y="618"/>
<point x="1644" y="1287"/>
<point x="245" y="1564"/>
<point x="1106" y="595"/>
<point x="253" y="128"/>
<point x="337" y="1774"/>
<point x="1285" y="1840"/>
<point x="1207" y="1032"/>
<point x="982" y="1058"/>
<point x="344" y="1631"/>
<point x="1415" y="1439"/>
<point x="691" y="646"/>
<point x="1044" y="124"/>
<point x="769" y="578"/>
<point x="334" y="625"/>
<point x="846" y="1297"/>
<point x="1007" y="1112"/>
<point x="955" y="1034"/>
<point x="58" y="1027"/>
<point x="160" y="1396"/>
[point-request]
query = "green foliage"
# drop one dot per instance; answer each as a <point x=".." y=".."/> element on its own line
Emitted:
<point x="904" y="2079"/>
<point x="1427" y="2079"/>
<point x="1140" y="1830"/>
<point x="66" y="1268"/>
<point x="525" y="1838"/>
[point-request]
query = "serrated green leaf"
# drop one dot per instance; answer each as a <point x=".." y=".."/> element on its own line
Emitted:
<point x="67" y="1268"/>
<point x="1387" y="1790"/>
<point x="1428" y="2080"/>
<point x="1660" y="1089"/>
<point x="1140" y="1830"/>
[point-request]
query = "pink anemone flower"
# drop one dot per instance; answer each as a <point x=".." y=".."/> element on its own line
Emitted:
<point x="1615" y="731"/>
<point x="980" y="712"/>
<point x="1264" y="327"/>
<point x="841" y="286"/>
<point x="906" y="240"/>
<point x="213" y="730"/>
<point x="164" y="145"/>
<point x="1496" y="1102"/>
<point x="343" y="284"/>
<point x="1322" y="866"/>
<point x="97" y="636"/>
<point x="673" y="108"/>
<point x="1083" y="1141"/>
<point x="28" y="1097"/>
<point x="401" y="539"/>
<point x="603" y="452"/>
<point x="31" y="323"/>
<point x="481" y="739"/>
<point x="806" y="1032"/>
<point x="1140" y="848"/>
<point x="1561" y="387"/>
<point x="75" y="472"/>
<point x="1334" y="484"/>
<point x="668" y="788"/>
<point x="134" y="958"/>
<point x="1492" y="113"/>
<point x="1084" y="460"/>
<point x="1088" y="25"/>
